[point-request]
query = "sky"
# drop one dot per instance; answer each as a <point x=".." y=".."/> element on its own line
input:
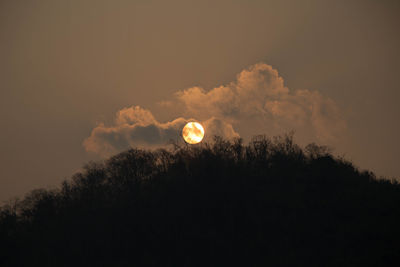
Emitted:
<point x="84" y="79"/>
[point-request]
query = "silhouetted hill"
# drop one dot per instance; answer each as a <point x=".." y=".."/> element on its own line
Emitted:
<point x="269" y="203"/>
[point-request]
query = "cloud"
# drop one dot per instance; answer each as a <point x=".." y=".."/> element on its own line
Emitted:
<point x="247" y="95"/>
<point x="218" y="127"/>
<point x="135" y="115"/>
<point x="259" y="95"/>
<point x="257" y="102"/>
<point x="137" y="127"/>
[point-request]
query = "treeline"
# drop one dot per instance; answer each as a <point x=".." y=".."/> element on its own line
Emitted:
<point x="268" y="203"/>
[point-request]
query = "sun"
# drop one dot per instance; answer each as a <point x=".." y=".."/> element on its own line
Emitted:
<point x="193" y="133"/>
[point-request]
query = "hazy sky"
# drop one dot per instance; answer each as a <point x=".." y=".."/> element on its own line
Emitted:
<point x="80" y="79"/>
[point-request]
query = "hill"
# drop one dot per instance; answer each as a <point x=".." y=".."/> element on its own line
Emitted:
<point x="268" y="203"/>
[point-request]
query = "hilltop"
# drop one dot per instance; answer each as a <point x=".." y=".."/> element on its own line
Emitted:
<point x="268" y="203"/>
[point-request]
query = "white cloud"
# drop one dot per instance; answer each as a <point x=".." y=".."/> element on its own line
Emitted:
<point x="218" y="127"/>
<point x="259" y="92"/>
<point x="256" y="100"/>
<point x="137" y="127"/>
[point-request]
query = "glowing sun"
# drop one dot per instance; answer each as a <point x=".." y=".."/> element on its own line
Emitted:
<point x="193" y="133"/>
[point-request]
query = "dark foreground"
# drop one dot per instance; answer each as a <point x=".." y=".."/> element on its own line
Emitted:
<point x="266" y="204"/>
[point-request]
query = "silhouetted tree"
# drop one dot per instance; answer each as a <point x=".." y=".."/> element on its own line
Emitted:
<point x="214" y="204"/>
